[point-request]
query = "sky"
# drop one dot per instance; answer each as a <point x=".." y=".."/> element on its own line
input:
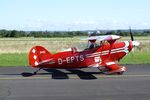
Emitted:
<point x="70" y="15"/>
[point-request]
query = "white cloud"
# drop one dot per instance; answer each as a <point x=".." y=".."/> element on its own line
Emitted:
<point x="145" y="24"/>
<point x="38" y="24"/>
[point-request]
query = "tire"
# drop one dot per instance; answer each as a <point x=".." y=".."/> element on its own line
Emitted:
<point x="120" y="73"/>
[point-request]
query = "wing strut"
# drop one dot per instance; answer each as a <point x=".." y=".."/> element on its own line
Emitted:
<point x="111" y="42"/>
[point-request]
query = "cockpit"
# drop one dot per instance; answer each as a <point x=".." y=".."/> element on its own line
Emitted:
<point x="95" y="44"/>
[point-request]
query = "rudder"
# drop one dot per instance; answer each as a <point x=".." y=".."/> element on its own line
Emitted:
<point x="38" y="55"/>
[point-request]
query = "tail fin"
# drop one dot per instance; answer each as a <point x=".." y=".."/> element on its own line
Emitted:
<point x="38" y="55"/>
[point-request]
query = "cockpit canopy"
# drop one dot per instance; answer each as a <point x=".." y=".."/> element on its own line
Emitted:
<point x="92" y="40"/>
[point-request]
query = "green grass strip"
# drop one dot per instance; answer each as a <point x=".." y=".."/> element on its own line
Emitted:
<point x="136" y="58"/>
<point x="16" y="59"/>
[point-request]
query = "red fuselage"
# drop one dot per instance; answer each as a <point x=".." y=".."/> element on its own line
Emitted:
<point x="95" y="57"/>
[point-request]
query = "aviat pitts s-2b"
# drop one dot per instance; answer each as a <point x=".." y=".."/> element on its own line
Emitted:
<point x="104" y="56"/>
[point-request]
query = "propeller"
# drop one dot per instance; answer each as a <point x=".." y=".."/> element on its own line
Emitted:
<point x="131" y="34"/>
<point x="134" y="43"/>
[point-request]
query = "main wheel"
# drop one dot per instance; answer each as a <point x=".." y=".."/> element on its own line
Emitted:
<point x="34" y="73"/>
<point x="120" y="73"/>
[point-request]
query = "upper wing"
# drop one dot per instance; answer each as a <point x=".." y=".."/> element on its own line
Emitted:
<point x="104" y="37"/>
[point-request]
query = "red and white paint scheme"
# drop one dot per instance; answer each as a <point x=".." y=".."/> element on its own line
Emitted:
<point x="104" y="56"/>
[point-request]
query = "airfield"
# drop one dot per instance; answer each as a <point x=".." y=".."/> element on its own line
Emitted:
<point x="17" y="83"/>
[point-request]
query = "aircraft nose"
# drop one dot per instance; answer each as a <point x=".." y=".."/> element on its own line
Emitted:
<point x="135" y="43"/>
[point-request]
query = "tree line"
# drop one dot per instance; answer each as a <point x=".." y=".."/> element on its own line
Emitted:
<point x="17" y="34"/>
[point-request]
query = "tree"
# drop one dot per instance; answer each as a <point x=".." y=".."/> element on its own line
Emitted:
<point x="14" y="33"/>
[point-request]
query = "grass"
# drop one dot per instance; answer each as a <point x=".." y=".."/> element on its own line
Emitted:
<point x="23" y="45"/>
<point x="16" y="59"/>
<point x="13" y="51"/>
<point x="136" y="58"/>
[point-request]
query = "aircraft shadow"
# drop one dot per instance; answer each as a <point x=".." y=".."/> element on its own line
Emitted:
<point x="58" y="74"/>
<point x="82" y="74"/>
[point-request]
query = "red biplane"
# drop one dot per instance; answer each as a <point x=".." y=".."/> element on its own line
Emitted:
<point x="104" y="56"/>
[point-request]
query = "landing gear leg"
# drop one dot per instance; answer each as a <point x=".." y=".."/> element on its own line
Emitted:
<point x="103" y="70"/>
<point x="37" y="71"/>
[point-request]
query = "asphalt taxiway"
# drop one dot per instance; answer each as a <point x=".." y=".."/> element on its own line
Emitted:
<point x="18" y="83"/>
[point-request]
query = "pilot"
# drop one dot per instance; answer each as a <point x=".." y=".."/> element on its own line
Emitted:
<point x="92" y="45"/>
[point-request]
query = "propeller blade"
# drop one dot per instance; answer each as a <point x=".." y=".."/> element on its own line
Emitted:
<point x="131" y="34"/>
